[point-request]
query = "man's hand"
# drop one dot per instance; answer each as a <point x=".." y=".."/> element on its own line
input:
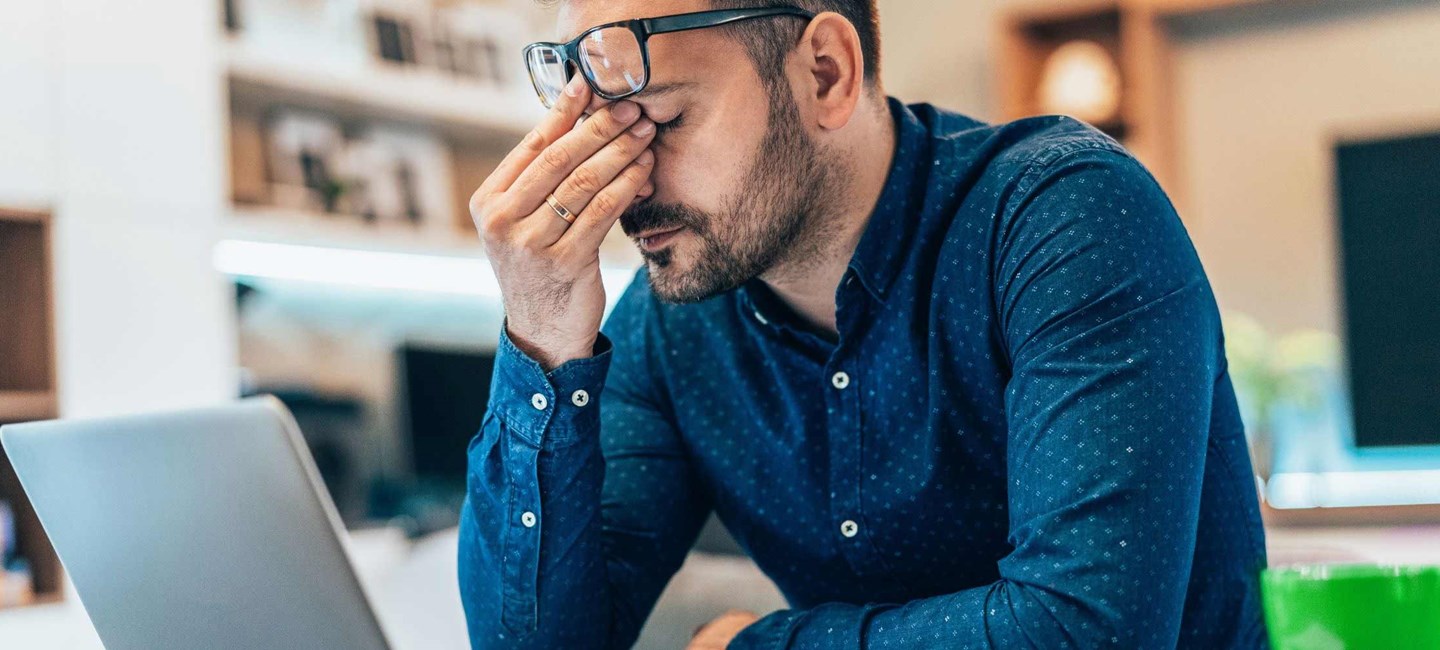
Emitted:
<point x="718" y="633"/>
<point x="548" y="270"/>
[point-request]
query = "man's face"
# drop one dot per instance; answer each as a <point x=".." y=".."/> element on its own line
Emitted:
<point x="736" y="170"/>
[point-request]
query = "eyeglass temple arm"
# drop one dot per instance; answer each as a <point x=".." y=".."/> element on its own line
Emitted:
<point x="703" y="19"/>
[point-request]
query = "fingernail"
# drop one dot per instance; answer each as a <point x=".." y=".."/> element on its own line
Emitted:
<point x="647" y="190"/>
<point x="646" y="158"/>
<point x="577" y="83"/>
<point x="643" y="128"/>
<point x="627" y="111"/>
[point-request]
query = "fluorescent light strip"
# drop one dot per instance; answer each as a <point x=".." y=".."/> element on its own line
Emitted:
<point x="1353" y="489"/>
<point x="470" y="276"/>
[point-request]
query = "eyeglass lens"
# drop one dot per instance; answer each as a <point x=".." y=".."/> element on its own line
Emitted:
<point x="613" y="60"/>
<point x="547" y="69"/>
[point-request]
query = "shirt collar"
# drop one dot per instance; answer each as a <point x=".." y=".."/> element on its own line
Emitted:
<point x="881" y="253"/>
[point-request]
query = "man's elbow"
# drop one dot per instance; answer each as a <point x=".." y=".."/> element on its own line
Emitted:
<point x="1035" y="616"/>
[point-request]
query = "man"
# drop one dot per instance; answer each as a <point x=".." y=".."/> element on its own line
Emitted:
<point x="950" y="384"/>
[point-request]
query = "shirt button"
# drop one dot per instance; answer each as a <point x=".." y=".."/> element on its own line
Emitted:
<point x="580" y="397"/>
<point x="840" y="380"/>
<point x="539" y="402"/>
<point x="848" y="528"/>
<point x="528" y="519"/>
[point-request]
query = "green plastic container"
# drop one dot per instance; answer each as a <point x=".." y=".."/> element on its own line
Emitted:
<point x="1352" y="607"/>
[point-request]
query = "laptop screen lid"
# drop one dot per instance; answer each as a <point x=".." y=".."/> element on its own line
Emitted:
<point x="204" y="528"/>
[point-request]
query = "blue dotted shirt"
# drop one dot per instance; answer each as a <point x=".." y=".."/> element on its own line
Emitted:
<point x="1025" y="435"/>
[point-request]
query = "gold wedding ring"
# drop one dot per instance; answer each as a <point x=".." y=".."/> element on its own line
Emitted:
<point x="560" y="210"/>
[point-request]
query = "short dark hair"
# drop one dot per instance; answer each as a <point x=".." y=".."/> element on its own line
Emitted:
<point x="769" y="40"/>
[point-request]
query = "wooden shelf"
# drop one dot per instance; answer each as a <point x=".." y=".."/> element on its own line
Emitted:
<point x="1137" y="34"/>
<point x="286" y="226"/>
<point x="1188" y="7"/>
<point x="27" y="374"/>
<point x="27" y="405"/>
<point x="16" y="591"/>
<point x="26" y="340"/>
<point x="1351" y="516"/>
<point x="16" y="216"/>
<point x="459" y="109"/>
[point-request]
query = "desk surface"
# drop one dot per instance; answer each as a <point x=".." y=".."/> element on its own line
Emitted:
<point x="378" y="554"/>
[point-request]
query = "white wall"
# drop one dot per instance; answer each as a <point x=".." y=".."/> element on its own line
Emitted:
<point x="1262" y="105"/>
<point x="144" y="320"/>
<point x="27" y="125"/>
<point x="940" y="52"/>
<point x="111" y="118"/>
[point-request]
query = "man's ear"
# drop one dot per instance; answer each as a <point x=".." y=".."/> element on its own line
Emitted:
<point x="830" y="50"/>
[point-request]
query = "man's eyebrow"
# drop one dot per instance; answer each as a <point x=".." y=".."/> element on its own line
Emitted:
<point x="660" y="90"/>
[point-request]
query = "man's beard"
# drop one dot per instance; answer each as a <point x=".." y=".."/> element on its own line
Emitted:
<point x="773" y="217"/>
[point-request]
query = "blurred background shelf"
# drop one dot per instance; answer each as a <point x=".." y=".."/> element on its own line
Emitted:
<point x="345" y="232"/>
<point x="25" y="405"/>
<point x="1051" y="55"/>
<point x="26" y="340"/>
<point x="376" y="90"/>
<point x="1196" y="6"/>
<point x="305" y="228"/>
<point x="27" y="389"/>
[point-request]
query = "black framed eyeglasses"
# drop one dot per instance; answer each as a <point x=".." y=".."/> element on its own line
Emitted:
<point x="614" y="58"/>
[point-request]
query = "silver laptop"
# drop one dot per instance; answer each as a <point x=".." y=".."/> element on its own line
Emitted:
<point x="206" y="528"/>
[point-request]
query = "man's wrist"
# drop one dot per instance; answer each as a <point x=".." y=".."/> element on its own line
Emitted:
<point x="557" y="406"/>
<point x="551" y="357"/>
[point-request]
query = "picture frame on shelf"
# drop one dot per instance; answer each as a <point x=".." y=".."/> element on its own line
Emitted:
<point x="407" y="174"/>
<point x="480" y="42"/>
<point x="387" y="175"/>
<point x="305" y="155"/>
<point x="398" y="32"/>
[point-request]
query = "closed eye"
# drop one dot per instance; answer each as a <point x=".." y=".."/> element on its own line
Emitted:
<point x="662" y="129"/>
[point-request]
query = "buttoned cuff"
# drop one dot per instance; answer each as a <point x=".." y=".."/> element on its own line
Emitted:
<point x="772" y="632"/>
<point x="555" y="408"/>
<point x="829" y="626"/>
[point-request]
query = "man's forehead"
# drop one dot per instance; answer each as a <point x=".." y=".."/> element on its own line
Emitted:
<point x="576" y="16"/>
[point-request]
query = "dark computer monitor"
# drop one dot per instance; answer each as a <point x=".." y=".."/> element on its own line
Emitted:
<point x="1389" y="225"/>
<point x="445" y="391"/>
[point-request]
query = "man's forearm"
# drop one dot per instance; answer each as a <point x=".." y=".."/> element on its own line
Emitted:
<point x="530" y="548"/>
<point x="1006" y="614"/>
